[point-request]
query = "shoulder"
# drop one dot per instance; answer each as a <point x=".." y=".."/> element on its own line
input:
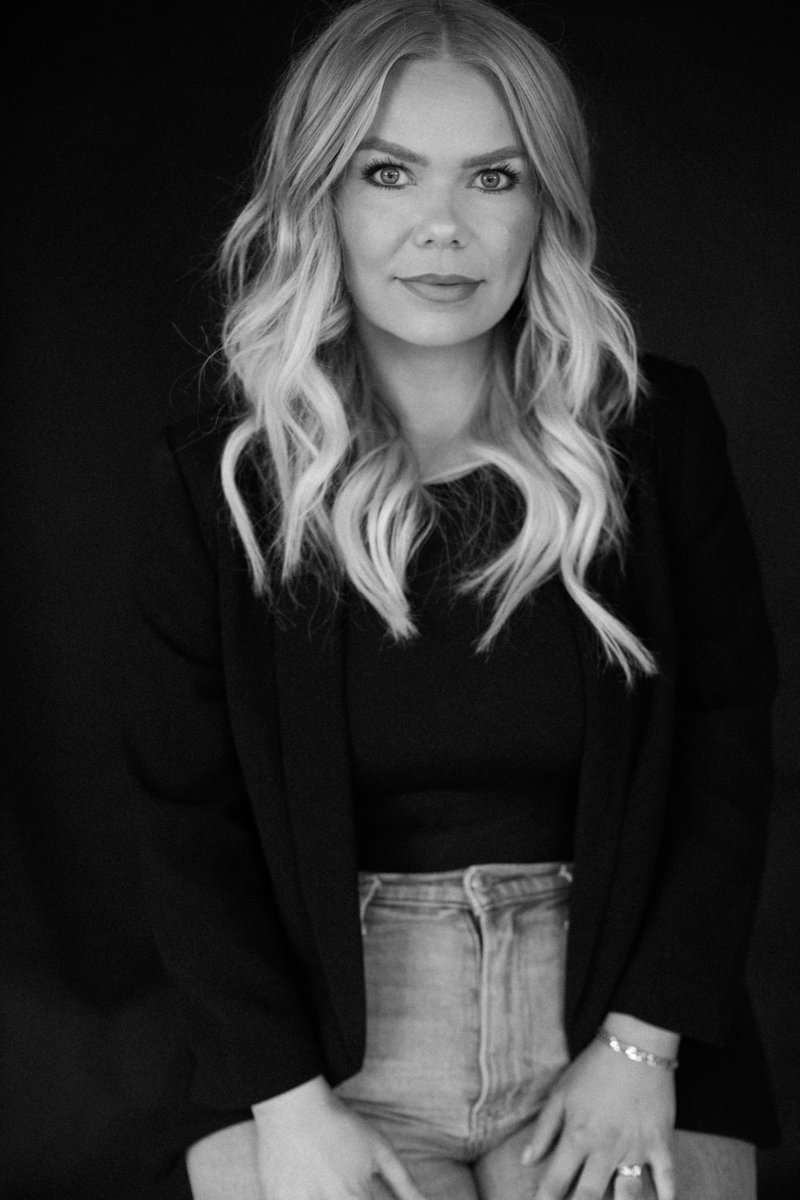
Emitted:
<point x="669" y="379"/>
<point x="185" y="483"/>
<point x="676" y="448"/>
<point x="676" y="428"/>
<point x="675" y="400"/>
<point x="195" y="444"/>
<point x="676" y="403"/>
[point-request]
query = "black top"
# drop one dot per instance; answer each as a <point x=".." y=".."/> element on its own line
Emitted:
<point x="461" y="757"/>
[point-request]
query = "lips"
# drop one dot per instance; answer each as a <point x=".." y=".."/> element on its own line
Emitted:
<point x="439" y="280"/>
<point x="441" y="289"/>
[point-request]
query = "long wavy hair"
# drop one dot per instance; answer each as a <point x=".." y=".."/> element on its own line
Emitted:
<point x="343" y="490"/>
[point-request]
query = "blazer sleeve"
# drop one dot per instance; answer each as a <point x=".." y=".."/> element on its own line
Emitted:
<point x="687" y="970"/>
<point x="206" y="883"/>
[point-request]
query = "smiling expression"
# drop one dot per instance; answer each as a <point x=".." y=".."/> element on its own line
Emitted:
<point x="437" y="210"/>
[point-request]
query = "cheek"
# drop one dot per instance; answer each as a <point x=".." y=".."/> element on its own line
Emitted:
<point x="368" y="238"/>
<point x="517" y="242"/>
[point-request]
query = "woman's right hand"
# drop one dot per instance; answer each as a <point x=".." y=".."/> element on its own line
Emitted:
<point x="311" y="1146"/>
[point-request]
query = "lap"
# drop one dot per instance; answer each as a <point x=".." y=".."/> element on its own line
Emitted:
<point x="706" y="1168"/>
<point x="714" y="1168"/>
<point x="222" y="1166"/>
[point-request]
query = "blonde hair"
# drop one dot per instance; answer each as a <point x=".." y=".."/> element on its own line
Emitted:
<point x="342" y="484"/>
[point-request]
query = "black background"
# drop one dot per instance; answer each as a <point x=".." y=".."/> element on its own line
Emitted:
<point x="132" y="133"/>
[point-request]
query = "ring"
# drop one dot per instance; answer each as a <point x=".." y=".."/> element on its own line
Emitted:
<point x="630" y="1170"/>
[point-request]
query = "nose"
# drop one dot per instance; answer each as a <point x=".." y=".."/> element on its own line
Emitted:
<point x="440" y="226"/>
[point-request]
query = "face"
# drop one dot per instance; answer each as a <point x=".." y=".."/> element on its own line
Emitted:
<point x="436" y="212"/>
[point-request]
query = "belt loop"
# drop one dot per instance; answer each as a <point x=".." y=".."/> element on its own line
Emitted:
<point x="375" y="883"/>
<point x="471" y="882"/>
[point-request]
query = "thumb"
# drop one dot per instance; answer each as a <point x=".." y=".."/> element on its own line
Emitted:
<point x="398" y="1178"/>
<point x="545" y="1128"/>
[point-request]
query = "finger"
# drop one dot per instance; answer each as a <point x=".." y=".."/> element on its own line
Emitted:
<point x="597" y="1178"/>
<point x="663" y="1168"/>
<point x="561" y="1171"/>
<point x="628" y="1188"/>
<point x="398" y="1178"/>
<point x="546" y="1127"/>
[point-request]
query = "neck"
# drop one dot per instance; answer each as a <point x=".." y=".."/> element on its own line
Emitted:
<point x="434" y="392"/>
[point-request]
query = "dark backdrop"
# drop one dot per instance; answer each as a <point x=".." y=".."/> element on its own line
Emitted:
<point x="132" y="133"/>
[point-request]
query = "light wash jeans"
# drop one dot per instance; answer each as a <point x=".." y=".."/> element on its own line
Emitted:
<point x="465" y="974"/>
<point x="465" y="977"/>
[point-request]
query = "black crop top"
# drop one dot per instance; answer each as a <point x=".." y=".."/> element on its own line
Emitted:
<point x="461" y="757"/>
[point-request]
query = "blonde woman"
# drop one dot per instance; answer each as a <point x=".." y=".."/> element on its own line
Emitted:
<point x="448" y="720"/>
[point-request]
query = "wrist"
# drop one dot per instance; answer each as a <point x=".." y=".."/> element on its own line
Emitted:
<point x="652" y="1038"/>
<point x="293" y="1104"/>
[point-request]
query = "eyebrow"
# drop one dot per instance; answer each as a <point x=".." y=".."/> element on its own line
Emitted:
<point x="375" y="143"/>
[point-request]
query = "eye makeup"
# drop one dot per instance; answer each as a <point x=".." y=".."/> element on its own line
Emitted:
<point x="370" y="171"/>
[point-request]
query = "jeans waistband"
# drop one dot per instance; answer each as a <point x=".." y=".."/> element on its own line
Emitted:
<point x="488" y="884"/>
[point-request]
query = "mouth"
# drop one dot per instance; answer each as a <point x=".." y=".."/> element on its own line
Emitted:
<point x="439" y="280"/>
<point x="441" y="289"/>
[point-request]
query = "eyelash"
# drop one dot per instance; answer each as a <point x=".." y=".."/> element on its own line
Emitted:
<point x="369" y="171"/>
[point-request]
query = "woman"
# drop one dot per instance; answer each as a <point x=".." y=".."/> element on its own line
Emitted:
<point x="452" y="627"/>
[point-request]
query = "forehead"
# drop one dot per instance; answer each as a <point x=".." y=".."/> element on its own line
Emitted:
<point x="442" y="107"/>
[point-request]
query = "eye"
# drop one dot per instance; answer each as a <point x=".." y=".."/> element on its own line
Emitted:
<point x="498" y="179"/>
<point x="384" y="174"/>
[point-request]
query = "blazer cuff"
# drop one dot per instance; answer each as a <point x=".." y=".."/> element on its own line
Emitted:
<point x="689" y="1007"/>
<point x="239" y="1075"/>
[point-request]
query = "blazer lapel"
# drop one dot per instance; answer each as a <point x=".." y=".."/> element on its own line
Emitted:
<point x="627" y="750"/>
<point x="603" y="784"/>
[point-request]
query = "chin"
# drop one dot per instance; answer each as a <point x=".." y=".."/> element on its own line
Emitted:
<point x="439" y="331"/>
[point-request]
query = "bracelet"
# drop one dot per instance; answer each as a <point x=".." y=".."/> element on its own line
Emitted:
<point x="635" y="1053"/>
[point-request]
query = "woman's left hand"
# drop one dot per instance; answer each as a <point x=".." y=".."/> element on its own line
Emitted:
<point x="602" y="1113"/>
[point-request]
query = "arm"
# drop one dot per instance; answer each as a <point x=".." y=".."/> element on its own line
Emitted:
<point x="685" y="975"/>
<point x="206" y="884"/>
<point x="687" y="969"/>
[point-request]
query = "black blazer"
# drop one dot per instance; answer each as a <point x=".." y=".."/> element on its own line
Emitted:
<point x="238" y="756"/>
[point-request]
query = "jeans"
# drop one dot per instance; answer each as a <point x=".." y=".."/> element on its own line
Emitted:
<point x="464" y="976"/>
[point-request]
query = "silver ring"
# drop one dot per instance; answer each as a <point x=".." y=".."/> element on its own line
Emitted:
<point x="630" y="1170"/>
